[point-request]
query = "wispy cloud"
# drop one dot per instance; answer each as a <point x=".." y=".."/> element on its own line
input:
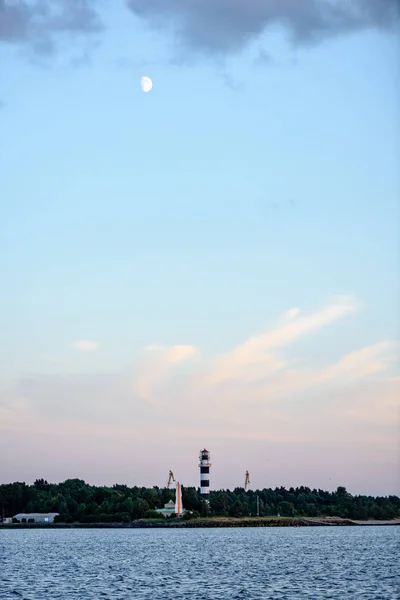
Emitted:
<point x="361" y="363"/>
<point x="255" y="358"/>
<point x="349" y="369"/>
<point x="158" y="362"/>
<point x="254" y="394"/>
<point x="292" y="313"/>
<point x="85" y="345"/>
<point x="170" y="355"/>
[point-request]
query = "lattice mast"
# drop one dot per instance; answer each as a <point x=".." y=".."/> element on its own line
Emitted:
<point x="246" y="481"/>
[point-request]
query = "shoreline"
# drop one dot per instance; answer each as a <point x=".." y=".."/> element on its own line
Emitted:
<point x="207" y="523"/>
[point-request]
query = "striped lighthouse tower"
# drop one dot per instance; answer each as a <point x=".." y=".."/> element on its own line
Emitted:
<point x="204" y="465"/>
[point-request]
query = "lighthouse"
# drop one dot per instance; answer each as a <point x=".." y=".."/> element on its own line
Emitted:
<point x="204" y="465"/>
<point x="178" y="500"/>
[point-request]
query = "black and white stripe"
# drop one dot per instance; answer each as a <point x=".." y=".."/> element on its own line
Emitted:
<point x="204" y="465"/>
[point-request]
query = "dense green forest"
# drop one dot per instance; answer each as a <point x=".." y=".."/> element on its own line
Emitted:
<point x="77" y="501"/>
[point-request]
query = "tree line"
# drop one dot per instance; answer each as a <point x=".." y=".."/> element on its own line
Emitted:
<point x="77" y="501"/>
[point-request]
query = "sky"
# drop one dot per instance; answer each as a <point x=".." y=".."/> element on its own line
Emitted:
<point x="215" y="263"/>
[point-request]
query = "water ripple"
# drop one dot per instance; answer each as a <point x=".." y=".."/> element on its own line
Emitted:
<point x="211" y="564"/>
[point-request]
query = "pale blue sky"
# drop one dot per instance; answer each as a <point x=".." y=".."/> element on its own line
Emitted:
<point x="193" y="215"/>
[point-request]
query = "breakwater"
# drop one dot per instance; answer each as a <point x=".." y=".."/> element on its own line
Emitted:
<point x="204" y="523"/>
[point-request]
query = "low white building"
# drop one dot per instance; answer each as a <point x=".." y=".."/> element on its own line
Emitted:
<point x="168" y="510"/>
<point x="36" y="517"/>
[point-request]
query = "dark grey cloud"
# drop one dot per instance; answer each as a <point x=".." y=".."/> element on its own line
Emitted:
<point x="225" y="26"/>
<point x="216" y="27"/>
<point x="40" y="23"/>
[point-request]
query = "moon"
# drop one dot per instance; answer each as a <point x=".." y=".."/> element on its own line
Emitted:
<point x="146" y="84"/>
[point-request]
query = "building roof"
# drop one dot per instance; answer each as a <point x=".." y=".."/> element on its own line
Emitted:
<point x="167" y="511"/>
<point x="34" y="515"/>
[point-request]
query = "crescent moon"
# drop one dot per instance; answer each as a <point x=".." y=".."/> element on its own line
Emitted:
<point x="146" y="84"/>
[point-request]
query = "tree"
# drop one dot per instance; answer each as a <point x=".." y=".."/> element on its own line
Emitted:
<point x="341" y="492"/>
<point x="311" y="510"/>
<point x="122" y="518"/>
<point x="140" y="508"/>
<point x="286" y="509"/>
<point x="128" y="506"/>
<point x="81" y="511"/>
<point x="219" y="503"/>
<point x="41" y="485"/>
<point x="152" y="497"/>
<point x="188" y="516"/>
<point x="152" y="514"/>
<point x="205" y="509"/>
<point x="238" y="509"/>
<point x="75" y="500"/>
<point x="191" y="498"/>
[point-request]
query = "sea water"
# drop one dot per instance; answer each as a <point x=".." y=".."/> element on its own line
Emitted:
<point x="354" y="563"/>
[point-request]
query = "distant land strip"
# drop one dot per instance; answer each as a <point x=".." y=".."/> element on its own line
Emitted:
<point x="204" y="523"/>
<point x="75" y="501"/>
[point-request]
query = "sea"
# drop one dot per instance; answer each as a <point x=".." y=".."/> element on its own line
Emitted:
<point x="321" y="563"/>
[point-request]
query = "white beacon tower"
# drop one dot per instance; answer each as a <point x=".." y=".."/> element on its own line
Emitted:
<point x="204" y="465"/>
<point x="178" y="500"/>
